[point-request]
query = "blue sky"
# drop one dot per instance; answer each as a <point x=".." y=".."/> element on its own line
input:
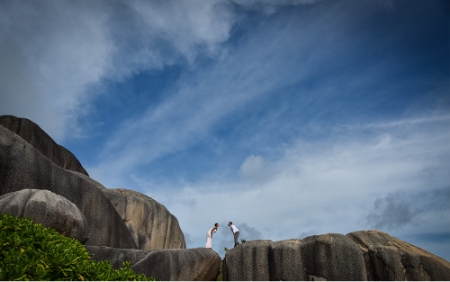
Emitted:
<point x="289" y="118"/>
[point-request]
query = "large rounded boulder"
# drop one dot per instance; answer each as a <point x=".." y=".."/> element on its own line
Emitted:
<point x="47" y="208"/>
<point x="151" y="225"/>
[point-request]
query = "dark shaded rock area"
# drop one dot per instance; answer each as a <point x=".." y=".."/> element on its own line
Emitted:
<point x="180" y="265"/>
<point x="116" y="256"/>
<point x="166" y="265"/>
<point x="40" y="140"/>
<point x="362" y="255"/>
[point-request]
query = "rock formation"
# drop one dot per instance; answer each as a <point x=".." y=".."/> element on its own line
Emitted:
<point x="39" y="139"/>
<point x="149" y="222"/>
<point x="24" y="167"/>
<point x="388" y="258"/>
<point x="363" y="255"/>
<point x="165" y="265"/>
<point x="48" y="209"/>
<point x="184" y="265"/>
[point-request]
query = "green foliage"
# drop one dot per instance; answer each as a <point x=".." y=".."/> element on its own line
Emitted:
<point x="30" y="251"/>
<point x="242" y="242"/>
<point x="220" y="275"/>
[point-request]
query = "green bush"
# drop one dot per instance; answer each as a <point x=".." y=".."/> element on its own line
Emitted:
<point x="30" y="251"/>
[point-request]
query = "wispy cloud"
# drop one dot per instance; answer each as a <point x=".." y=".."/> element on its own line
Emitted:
<point x="53" y="52"/>
<point x="50" y="53"/>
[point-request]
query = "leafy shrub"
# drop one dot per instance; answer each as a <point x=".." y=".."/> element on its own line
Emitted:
<point x="30" y="251"/>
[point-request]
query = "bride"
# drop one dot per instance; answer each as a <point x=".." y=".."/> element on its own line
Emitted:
<point x="209" y="235"/>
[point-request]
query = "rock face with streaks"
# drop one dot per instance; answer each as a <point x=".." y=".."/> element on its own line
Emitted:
<point x="48" y="209"/>
<point x="362" y="255"/>
<point x="40" y="140"/>
<point x="24" y="167"/>
<point x="150" y="224"/>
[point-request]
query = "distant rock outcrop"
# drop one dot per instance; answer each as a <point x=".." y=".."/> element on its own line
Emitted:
<point x="388" y="258"/>
<point x="149" y="222"/>
<point x="180" y="265"/>
<point x="40" y="140"/>
<point x="48" y="209"/>
<point x="363" y="255"/>
<point x="24" y="167"/>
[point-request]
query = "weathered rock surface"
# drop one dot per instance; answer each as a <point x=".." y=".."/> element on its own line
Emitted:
<point x="165" y="265"/>
<point x="250" y="261"/>
<point x="183" y="264"/>
<point x="324" y="257"/>
<point x="116" y="256"/>
<point x="282" y="252"/>
<point x="39" y="139"/>
<point x="24" y="167"/>
<point x="149" y="222"/>
<point x="332" y="257"/>
<point x="48" y="209"/>
<point x="388" y="258"/>
<point x="362" y="255"/>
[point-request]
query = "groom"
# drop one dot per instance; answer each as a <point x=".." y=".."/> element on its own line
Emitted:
<point x="235" y="232"/>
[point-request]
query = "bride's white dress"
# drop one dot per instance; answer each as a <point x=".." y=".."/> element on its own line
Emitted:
<point x="209" y="238"/>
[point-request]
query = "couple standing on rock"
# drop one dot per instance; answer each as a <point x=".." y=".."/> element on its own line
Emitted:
<point x="213" y="230"/>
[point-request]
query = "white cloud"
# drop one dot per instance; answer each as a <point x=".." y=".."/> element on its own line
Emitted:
<point x="189" y="25"/>
<point x="252" y="166"/>
<point x="51" y="52"/>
